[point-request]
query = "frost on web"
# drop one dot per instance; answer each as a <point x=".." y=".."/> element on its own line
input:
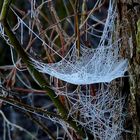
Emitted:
<point x="101" y="114"/>
<point x="94" y="66"/>
<point x="102" y="64"/>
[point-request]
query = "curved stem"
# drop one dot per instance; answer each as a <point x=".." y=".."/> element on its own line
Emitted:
<point x="39" y="78"/>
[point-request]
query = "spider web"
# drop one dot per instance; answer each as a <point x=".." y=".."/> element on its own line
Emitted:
<point x="94" y="65"/>
<point x="102" y="114"/>
<point x="102" y="64"/>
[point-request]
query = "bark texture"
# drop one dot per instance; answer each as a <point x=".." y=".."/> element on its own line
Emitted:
<point x="128" y="25"/>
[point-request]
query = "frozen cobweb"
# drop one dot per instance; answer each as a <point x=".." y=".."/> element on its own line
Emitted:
<point x="102" y="64"/>
<point x="93" y="66"/>
<point x="101" y="114"/>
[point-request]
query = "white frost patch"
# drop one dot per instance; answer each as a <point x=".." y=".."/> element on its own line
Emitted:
<point x="94" y="66"/>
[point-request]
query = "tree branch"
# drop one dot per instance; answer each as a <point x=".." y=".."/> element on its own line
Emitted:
<point x="36" y="75"/>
